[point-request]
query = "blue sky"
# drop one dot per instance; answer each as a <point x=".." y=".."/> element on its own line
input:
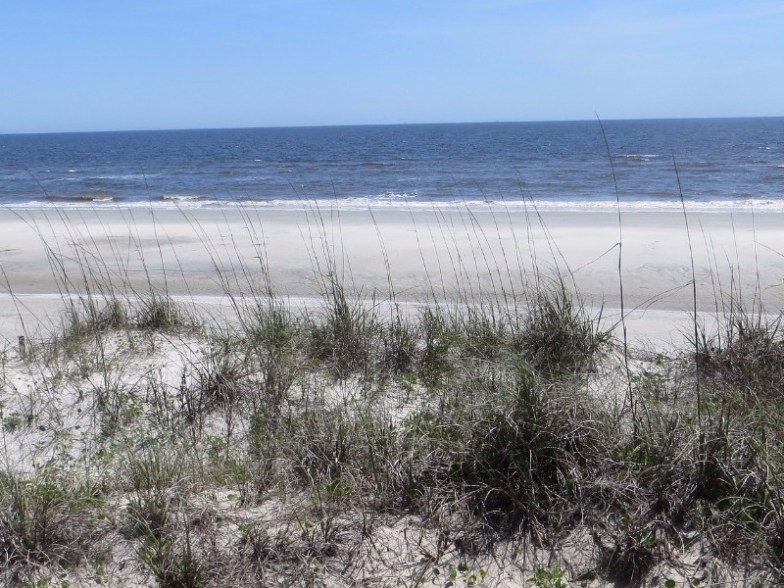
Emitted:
<point x="86" y="65"/>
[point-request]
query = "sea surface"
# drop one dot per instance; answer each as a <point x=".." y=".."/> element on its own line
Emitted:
<point x="722" y="164"/>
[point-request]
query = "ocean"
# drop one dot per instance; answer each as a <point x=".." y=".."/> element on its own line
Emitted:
<point x="722" y="164"/>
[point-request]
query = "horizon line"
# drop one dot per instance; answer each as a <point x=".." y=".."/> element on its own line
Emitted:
<point x="400" y="124"/>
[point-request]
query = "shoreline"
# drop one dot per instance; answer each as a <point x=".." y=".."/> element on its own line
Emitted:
<point x="380" y="204"/>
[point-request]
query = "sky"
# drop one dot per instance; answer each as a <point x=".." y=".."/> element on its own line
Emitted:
<point x="92" y="65"/>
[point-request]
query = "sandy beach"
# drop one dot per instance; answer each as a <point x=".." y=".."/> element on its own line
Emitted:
<point x="201" y="256"/>
<point x="389" y="445"/>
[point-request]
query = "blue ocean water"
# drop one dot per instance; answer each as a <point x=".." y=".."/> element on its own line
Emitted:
<point x="723" y="163"/>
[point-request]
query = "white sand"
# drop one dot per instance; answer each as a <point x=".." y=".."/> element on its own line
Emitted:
<point x="206" y="256"/>
<point x="203" y="255"/>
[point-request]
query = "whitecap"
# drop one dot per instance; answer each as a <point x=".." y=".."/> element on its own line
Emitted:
<point x="395" y="195"/>
<point x="120" y="177"/>
<point x="639" y="156"/>
<point x="180" y="198"/>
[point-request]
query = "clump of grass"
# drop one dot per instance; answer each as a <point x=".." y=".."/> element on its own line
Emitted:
<point x="507" y="449"/>
<point x="92" y="317"/>
<point x="158" y="312"/>
<point x="88" y="325"/>
<point x="155" y="517"/>
<point x="222" y="380"/>
<point x="45" y="523"/>
<point x="558" y="336"/>
<point x="631" y="553"/>
<point x="399" y="347"/>
<point x="347" y="337"/>
<point x="273" y="337"/>
<point x="747" y="351"/>
<point x="155" y="479"/>
<point x="440" y="338"/>
<point x="485" y="332"/>
<point x="174" y="562"/>
<point x="327" y="449"/>
<point x="685" y="479"/>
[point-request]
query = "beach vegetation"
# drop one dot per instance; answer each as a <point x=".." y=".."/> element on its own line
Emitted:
<point x="158" y="312"/>
<point x="44" y="522"/>
<point x="463" y="440"/>
<point x="746" y="351"/>
<point x="558" y="335"/>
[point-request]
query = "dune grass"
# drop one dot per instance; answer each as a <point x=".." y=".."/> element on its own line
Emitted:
<point x="464" y="441"/>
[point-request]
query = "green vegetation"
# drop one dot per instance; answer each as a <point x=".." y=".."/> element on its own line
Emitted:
<point x="445" y="444"/>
